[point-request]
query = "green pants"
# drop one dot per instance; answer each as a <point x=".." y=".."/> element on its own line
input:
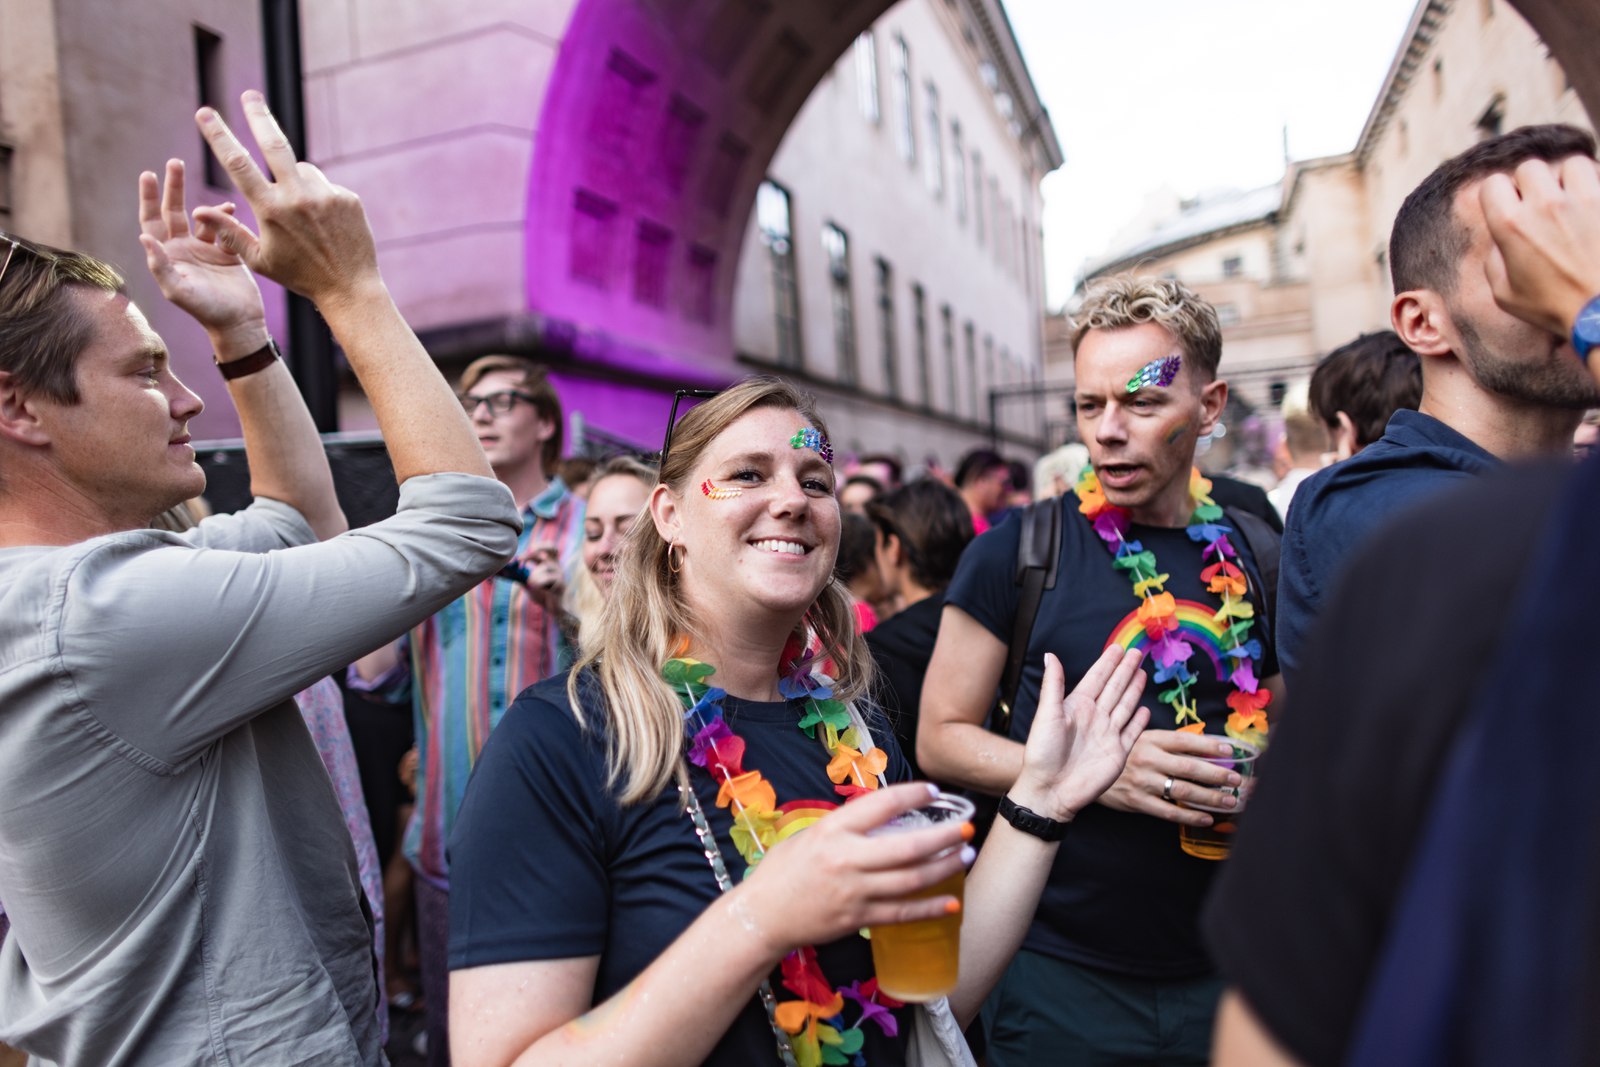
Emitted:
<point x="1047" y="1012"/>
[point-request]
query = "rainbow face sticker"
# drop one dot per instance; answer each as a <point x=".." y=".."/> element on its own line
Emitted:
<point x="718" y="494"/>
<point x="814" y="440"/>
<point x="1158" y="372"/>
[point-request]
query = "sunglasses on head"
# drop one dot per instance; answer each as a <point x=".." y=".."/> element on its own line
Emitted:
<point x="672" y="418"/>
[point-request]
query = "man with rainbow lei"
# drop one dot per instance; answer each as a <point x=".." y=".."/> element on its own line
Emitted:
<point x="1113" y="964"/>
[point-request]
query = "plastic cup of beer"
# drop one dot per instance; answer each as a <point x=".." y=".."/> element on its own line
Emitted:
<point x="1214" y="842"/>
<point x="919" y="961"/>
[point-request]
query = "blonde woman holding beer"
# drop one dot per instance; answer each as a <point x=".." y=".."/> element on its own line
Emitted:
<point x="668" y="856"/>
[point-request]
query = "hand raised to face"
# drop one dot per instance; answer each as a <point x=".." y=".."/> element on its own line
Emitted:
<point x="1545" y="221"/>
<point x="314" y="236"/>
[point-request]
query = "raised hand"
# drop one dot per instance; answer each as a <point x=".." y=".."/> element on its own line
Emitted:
<point x="1079" y="742"/>
<point x="1545" y="221"/>
<point x="314" y="236"/>
<point x="210" y="283"/>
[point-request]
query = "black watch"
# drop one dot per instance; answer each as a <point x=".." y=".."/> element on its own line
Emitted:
<point x="1031" y="822"/>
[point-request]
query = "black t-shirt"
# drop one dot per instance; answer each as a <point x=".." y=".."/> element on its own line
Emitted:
<point x="1300" y="912"/>
<point x="901" y="647"/>
<point x="1122" y="895"/>
<point x="545" y="864"/>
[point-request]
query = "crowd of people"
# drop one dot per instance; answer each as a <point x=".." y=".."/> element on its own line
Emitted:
<point x="671" y="716"/>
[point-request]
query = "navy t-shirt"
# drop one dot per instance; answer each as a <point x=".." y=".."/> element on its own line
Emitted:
<point x="546" y="864"/>
<point x="1339" y="507"/>
<point x="1122" y="895"/>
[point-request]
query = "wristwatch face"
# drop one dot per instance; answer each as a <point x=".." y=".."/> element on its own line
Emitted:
<point x="1586" y="331"/>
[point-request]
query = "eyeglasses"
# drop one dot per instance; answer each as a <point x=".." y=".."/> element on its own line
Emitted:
<point x="672" y="418"/>
<point x="10" y="251"/>
<point x="499" y="403"/>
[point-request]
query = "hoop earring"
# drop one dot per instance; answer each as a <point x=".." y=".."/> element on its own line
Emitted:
<point x="673" y="563"/>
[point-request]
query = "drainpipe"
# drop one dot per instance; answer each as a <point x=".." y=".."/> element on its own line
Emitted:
<point x="310" y="349"/>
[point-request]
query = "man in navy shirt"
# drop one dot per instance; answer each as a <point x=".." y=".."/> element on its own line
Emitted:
<point x="1493" y="386"/>
<point x="1112" y="968"/>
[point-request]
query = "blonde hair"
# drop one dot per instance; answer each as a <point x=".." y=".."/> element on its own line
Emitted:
<point x="584" y="598"/>
<point x="1133" y="299"/>
<point x="640" y="626"/>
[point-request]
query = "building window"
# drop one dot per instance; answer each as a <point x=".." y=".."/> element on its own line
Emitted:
<point x="884" y="276"/>
<point x="1232" y="266"/>
<point x="996" y="223"/>
<point x="209" y="80"/>
<point x="919" y="320"/>
<point x="1438" y="78"/>
<point x="977" y="195"/>
<point x="934" y="160"/>
<point x="1227" y="314"/>
<point x="774" y="222"/>
<point x="958" y="175"/>
<point x="982" y="392"/>
<point x="971" y="339"/>
<point x="867" y="76"/>
<point x="905" y="138"/>
<point x="947" y="341"/>
<point x="837" y="247"/>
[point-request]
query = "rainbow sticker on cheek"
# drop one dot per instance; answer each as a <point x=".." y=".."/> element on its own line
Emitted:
<point x="718" y="494"/>
<point x="813" y="439"/>
<point x="1158" y="372"/>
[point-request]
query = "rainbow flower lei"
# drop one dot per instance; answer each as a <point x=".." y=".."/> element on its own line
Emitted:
<point x="1224" y="576"/>
<point x="814" y="1020"/>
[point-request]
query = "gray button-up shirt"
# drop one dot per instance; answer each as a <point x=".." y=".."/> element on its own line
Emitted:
<point x="179" y="878"/>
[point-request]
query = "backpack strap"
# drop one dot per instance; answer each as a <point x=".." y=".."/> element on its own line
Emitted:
<point x="1264" y="543"/>
<point x="1038" y="565"/>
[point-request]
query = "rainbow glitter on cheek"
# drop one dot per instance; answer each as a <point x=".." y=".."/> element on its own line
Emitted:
<point x="718" y="494"/>
<point x="813" y="439"/>
<point x="1158" y="372"/>
<point x="1172" y="437"/>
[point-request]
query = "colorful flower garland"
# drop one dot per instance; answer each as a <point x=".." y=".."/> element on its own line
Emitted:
<point x="815" y="1019"/>
<point x="1159" y="611"/>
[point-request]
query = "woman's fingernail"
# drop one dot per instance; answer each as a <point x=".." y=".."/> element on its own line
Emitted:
<point x="933" y="791"/>
<point x="968" y="831"/>
<point x="1225" y="748"/>
<point x="968" y="855"/>
<point x="952" y="907"/>
<point x="1234" y="779"/>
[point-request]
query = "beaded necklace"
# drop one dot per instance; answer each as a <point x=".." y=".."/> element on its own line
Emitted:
<point x="814" y="1021"/>
<point x="1158" y="610"/>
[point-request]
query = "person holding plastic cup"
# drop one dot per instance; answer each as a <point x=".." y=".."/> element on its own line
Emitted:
<point x="667" y="857"/>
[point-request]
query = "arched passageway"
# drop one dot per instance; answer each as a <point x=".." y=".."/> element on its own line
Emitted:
<point x="652" y="123"/>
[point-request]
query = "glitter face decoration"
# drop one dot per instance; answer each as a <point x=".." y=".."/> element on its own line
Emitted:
<point x="814" y="440"/>
<point x="718" y="494"/>
<point x="1158" y="372"/>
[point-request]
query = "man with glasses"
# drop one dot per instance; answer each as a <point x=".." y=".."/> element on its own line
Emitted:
<point x="471" y="659"/>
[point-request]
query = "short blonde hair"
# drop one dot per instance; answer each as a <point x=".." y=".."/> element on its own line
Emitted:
<point x="1132" y="300"/>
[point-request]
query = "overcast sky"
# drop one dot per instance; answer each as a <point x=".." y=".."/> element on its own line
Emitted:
<point x="1191" y="94"/>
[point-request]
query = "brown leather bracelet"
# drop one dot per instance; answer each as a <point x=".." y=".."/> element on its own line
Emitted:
<point x="260" y="359"/>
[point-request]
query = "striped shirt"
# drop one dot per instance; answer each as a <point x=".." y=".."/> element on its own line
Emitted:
<point x="470" y="661"/>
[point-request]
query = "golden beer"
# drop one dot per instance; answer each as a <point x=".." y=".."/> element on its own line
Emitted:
<point x="919" y="961"/>
<point x="1214" y="842"/>
<point x="1209" y="842"/>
